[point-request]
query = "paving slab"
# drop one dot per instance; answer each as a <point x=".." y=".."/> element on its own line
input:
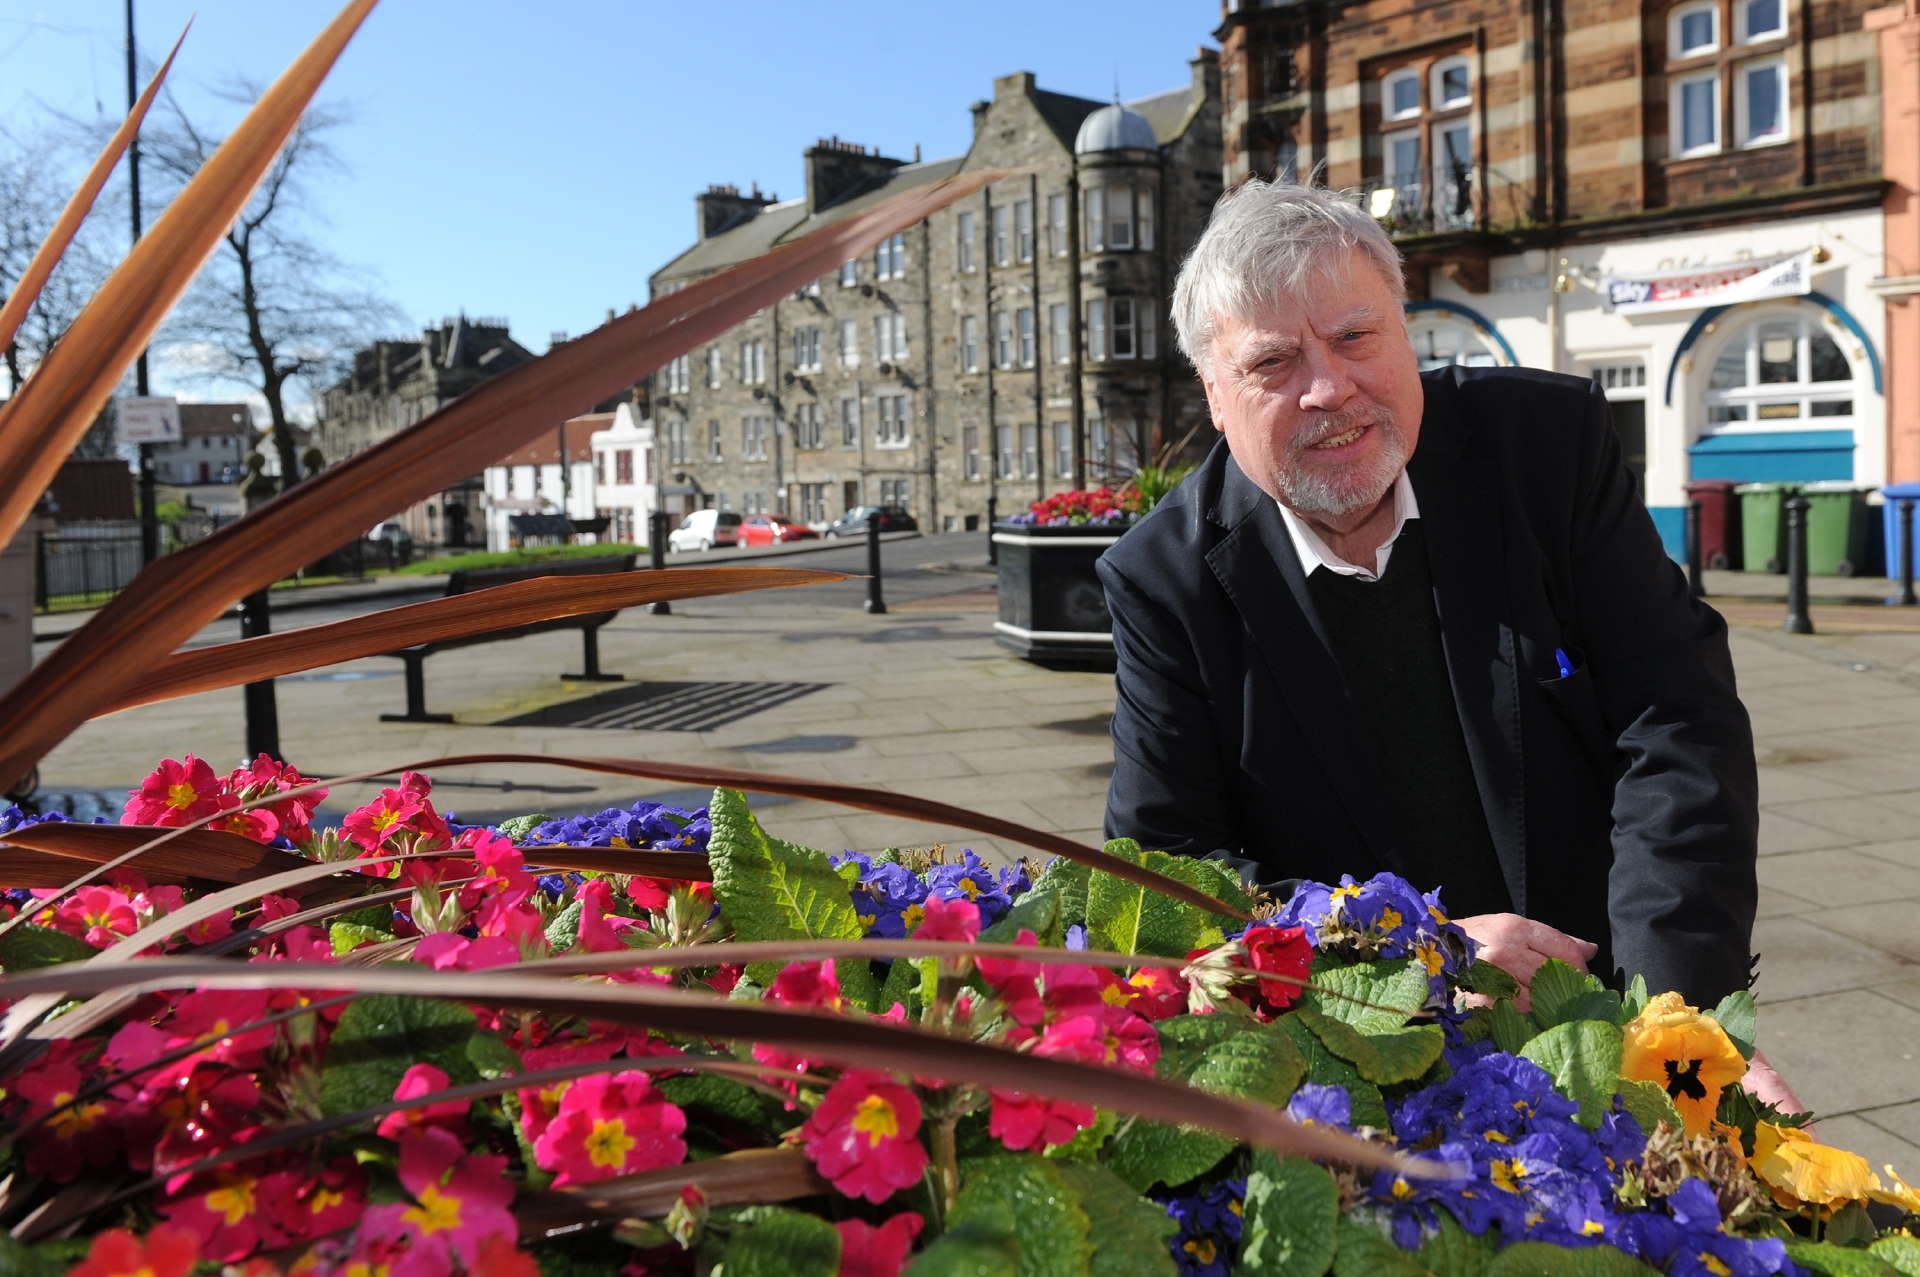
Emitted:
<point x="1845" y="1052"/>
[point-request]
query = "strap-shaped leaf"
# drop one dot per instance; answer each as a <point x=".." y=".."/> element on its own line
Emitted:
<point x="198" y="853"/>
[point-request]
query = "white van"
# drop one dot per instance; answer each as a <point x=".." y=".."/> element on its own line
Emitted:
<point x="704" y="529"/>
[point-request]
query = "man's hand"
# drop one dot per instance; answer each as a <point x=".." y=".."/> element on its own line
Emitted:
<point x="1519" y="946"/>
<point x="1762" y="1082"/>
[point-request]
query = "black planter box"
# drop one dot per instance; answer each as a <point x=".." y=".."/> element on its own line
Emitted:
<point x="1052" y="609"/>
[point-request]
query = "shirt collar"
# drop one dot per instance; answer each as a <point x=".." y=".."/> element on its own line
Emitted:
<point x="1314" y="553"/>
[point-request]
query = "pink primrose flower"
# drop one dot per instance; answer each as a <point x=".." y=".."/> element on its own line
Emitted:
<point x="799" y="984"/>
<point x="391" y="813"/>
<point x="867" y="1251"/>
<point x="1016" y="982"/>
<point x="460" y="1200"/>
<point x="256" y="823"/>
<point x="954" y="919"/>
<point x="324" y="1203"/>
<point x="175" y="794"/>
<point x="83" y="1135"/>
<point x="600" y="927"/>
<point x="167" y="1251"/>
<point x="864" y="1136"/>
<point x="234" y="1212"/>
<point x="450" y="1115"/>
<point x="609" y="1126"/>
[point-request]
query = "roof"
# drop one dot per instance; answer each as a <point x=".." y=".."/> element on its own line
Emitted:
<point x="1064" y="113"/>
<point x="1115" y="128"/>
<point x="545" y="451"/>
<point x="1168" y="112"/>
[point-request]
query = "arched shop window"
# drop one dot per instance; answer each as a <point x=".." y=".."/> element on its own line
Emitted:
<point x="1440" y="343"/>
<point x="1780" y="372"/>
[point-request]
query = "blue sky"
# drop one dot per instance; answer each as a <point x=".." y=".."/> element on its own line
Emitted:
<point x="538" y="160"/>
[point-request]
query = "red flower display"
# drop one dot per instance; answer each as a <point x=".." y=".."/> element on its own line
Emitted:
<point x="864" y="1137"/>
<point x="610" y="1126"/>
<point x="167" y="1251"/>
<point x="869" y="1251"/>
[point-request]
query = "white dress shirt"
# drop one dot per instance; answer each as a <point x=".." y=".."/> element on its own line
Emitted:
<point x="1314" y="553"/>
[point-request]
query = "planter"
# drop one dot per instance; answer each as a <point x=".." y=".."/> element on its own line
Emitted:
<point x="1052" y="609"/>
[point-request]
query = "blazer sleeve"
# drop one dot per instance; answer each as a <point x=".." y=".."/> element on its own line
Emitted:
<point x="1169" y="789"/>
<point x="1682" y="890"/>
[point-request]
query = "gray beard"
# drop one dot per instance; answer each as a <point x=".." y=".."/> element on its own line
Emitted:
<point x="1337" y="493"/>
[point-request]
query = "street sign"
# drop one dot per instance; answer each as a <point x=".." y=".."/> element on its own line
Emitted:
<point x="150" y="419"/>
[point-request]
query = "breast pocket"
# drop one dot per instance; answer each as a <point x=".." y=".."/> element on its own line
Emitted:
<point x="1578" y="705"/>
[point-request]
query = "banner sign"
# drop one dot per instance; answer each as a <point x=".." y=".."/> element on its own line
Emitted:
<point x="1703" y="286"/>
<point x="149" y="419"/>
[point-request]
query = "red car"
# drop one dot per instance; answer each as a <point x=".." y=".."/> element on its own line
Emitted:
<point x="772" y="529"/>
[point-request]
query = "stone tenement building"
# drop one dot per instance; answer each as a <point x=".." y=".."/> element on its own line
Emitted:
<point x="1012" y="345"/>
<point x="1679" y="198"/>
<point x="394" y="384"/>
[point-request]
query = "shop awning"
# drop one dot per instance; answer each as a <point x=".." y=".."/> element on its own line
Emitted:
<point x="1797" y="456"/>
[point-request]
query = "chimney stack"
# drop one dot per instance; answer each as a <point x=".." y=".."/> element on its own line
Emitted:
<point x="721" y="206"/>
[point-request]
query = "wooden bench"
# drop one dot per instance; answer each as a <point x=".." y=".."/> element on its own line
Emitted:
<point x="472" y="579"/>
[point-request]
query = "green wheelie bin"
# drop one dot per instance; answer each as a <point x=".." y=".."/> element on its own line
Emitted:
<point x="1836" y="528"/>
<point x="1763" y="525"/>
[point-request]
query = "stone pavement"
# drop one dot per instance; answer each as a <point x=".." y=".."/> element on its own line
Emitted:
<point x="921" y="700"/>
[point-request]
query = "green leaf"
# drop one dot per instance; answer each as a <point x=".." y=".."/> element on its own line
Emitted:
<point x="17" y="1259"/>
<point x="785" y="1243"/>
<point x="1070" y="879"/>
<point x="983" y="1245"/>
<point x="1373" y="997"/>
<point x="1186" y="1039"/>
<point x="1650" y="1105"/>
<point x="518" y="827"/>
<point x="1484" y="977"/>
<point x="380" y="1037"/>
<point x="1899" y="1252"/>
<point x="1149" y="1153"/>
<point x="491" y="1057"/>
<point x="858" y="985"/>
<point x="1047" y="1217"/>
<point x="1454" y="1252"/>
<point x="1127" y="918"/>
<point x="1850" y="1227"/>
<point x="1262" y="1064"/>
<point x="1328" y="1069"/>
<point x="1737" y="1016"/>
<point x="770" y="889"/>
<point x="26" y="947"/>
<point x="1365" y="1251"/>
<point x="1553" y="986"/>
<point x="724" y="1097"/>
<point x="1129" y="1233"/>
<point x="1637" y="998"/>
<point x="1037" y="911"/>
<point x="1583" y="1058"/>
<point x="1512" y="1029"/>
<point x="1291" y="1208"/>
<point x="1838" y="1261"/>
<point x="1603" y="1006"/>
<point x="1087" y="1144"/>
<point x="345" y="937"/>
<point x="1542" y="1259"/>
<point x="1386" y="1057"/>
<point x="902" y="985"/>
<point x="563" y="932"/>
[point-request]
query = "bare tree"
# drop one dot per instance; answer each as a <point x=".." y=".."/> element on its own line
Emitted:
<point x="274" y="309"/>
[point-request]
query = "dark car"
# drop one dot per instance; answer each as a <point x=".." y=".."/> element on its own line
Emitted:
<point x="853" y="523"/>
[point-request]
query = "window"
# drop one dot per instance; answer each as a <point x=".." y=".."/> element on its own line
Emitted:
<point x="1442" y="343"/>
<point x="849" y="343"/>
<point x="623" y="466"/>
<point x="1453" y="183"/>
<point x="1625" y="385"/>
<point x="1003" y="452"/>
<point x="1062" y="336"/>
<point x="1023" y="231"/>
<point x="892" y="432"/>
<point x="970" y="445"/>
<point x="1002" y="340"/>
<point x="1694" y="30"/>
<point x="1063" y="450"/>
<point x="809" y="433"/>
<point x="1400" y="95"/>
<point x="714" y="450"/>
<point x="753" y="437"/>
<point x="1695" y="105"/>
<point x="678" y="381"/>
<point x="1120" y="312"/>
<point x="713" y="368"/>
<point x="1452" y="84"/>
<point x="1057" y="225"/>
<point x="890" y="259"/>
<point x="1144" y="321"/>
<point x="1096" y="208"/>
<point x="1119" y="217"/>
<point x="1143" y="217"/>
<point x="813" y="502"/>
<point x="1761" y="19"/>
<point x="896" y="492"/>
<point x="1098" y="451"/>
<point x="890" y="336"/>
<point x="679" y="442"/>
<point x="850" y="423"/>
<point x="1002" y="238"/>
<point x="753" y="362"/>
<point x="1096" y="330"/>
<point x="806" y="348"/>
<point x="1023" y="325"/>
<point x="849" y="273"/>
<point x="969" y="344"/>
<point x="1783" y="369"/>
<point x="1760" y="102"/>
<point x="965" y="225"/>
<point x="599" y="467"/>
<point x="1030" y="452"/>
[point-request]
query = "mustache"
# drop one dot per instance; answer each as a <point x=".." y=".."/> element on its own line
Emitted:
<point x="1339" y="423"/>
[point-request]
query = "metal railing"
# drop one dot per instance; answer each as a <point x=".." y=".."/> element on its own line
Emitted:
<point x="1444" y="198"/>
<point x="81" y="564"/>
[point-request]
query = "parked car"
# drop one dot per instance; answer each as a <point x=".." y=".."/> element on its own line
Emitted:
<point x="773" y="529"/>
<point x="853" y="523"/>
<point x="704" y="529"/>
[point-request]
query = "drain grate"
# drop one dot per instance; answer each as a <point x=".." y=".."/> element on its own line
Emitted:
<point x="666" y="707"/>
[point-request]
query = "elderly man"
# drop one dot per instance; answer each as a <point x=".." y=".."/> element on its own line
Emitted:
<point x="1423" y="623"/>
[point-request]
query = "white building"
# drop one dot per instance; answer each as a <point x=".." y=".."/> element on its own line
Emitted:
<point x="535" y="481"/>
<point x="626" y="479"/>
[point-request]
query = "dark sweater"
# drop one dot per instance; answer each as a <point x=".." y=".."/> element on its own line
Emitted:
<point x="1386" y="638"/>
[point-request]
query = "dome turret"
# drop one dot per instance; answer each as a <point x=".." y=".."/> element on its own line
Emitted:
<point x="1115" y="128"/>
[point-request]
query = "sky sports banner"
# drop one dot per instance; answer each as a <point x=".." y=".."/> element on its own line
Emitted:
<point x="1704" y="286"/>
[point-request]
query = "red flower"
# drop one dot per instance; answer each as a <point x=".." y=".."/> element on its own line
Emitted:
<point x="1159" y="992"/>
<point x="600" y="927"/>
<point x="866" y="1251"/>
<point x="1016" y="982"/>
<point x="167" y="1252"/>
<point x="175" y="794"/>
<point x="98" y="915"/>
<point x="450" y="951"/>
<point x="237" y="1214"/>
<point x="956" y="919"/>
<point x="265" y="776"/>
<point x="461" y="1200"/>
<point x="610" y="1126"/>
<point x="325" y="1203"/>
<point x="649" y="893"/>
<point x="1277" y="951"/>
<point x="501" y="1258"/>
<point x="389" y="814"/>
<point x="451" y="1115"/>
<point x="256" y="823"/>
<point x="864" y="1136"/>
<point x="83" y="1135"/>
<point x="799" y="984"/>
<point x="1022" y="1121"/>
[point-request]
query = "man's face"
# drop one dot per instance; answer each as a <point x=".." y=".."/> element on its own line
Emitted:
<point x="1320" y="396"/>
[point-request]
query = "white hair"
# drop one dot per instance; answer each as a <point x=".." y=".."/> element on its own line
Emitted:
<point x="1266" y="239"/>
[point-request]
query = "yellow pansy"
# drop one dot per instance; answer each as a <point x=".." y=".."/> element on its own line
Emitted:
<point x="1685" y="1053"/>
<point x="1901" y="1194"/>
<point x="1789" y="1162"/>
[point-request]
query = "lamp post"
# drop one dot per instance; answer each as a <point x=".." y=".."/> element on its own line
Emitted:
<point x="875" y="603"/>
<point x="1799" y="621"/>
<point x="149" y="509"/>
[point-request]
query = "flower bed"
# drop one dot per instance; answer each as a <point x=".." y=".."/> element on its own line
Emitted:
<point x="1096" y="507"/>
<point x="248" y="1113"/>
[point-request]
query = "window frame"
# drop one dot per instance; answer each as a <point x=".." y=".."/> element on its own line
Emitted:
<point x="716" y="448"/>
<point x="1060" y="327"/>
<point x="849" y="343"/>
<point x="1803" y="391"/>
<point x="895" y="431"/>
<point x="1743" y="102"/>
<point x="1002" y="339"/>
<point x="1026" y="338"/>
<point x="1676" y="113"/>
<point x="1388" y="83"/>
<point x="963" y="233"/>
<point x="1436" y="76"/>
<point x="1000" y="235"/>
<point x="850" y="273"/>
<point x="970" y="343"/>
<point x="1024" y="239"/>
<point x="850" y="423"/>
<point x="1093" y="211"/>
<point x="716" y="367"/>
<point x="1062" y="449"/>
<point x="1747" y="34"/>
<point x="1096" y="330"/>
<point x="1675" y="20"/>
<point x="1057" y="239"/>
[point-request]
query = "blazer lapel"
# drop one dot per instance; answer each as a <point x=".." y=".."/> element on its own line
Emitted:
<point x="1466" y="545"/>
<point x="1256" y="565"/>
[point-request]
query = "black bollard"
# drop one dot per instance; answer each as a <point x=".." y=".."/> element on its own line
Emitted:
<point x="657" y="555"/>
<point x="1798" y="619"/>
<point x="1906" y="553"/>
<point x="993" y="551"/>
<point x="1695" y="586"/>
<point x="875" y="603"/>
<point x="263" y="714"/>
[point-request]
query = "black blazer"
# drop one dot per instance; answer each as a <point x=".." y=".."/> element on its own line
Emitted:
<point x="1623" y="801"/>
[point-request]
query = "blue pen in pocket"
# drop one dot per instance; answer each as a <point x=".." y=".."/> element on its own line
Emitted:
<point x="1560" y="659"/>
